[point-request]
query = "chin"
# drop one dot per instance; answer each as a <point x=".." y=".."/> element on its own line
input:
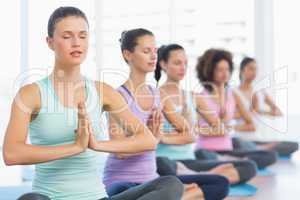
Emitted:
<point x="150" y="69"/>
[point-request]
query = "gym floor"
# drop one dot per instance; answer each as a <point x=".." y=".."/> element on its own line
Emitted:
<point x="282" y="185"/>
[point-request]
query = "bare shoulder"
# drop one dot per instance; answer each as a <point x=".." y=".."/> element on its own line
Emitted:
<point x="109" y="96"/>
<point x="28" y="97"/>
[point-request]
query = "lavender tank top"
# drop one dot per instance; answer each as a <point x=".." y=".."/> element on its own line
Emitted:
<point x="139" y="168"/>
<point x="219" y="142"/>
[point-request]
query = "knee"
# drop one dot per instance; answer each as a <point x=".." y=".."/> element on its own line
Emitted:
<point x="246" y="169"/>
<point x="174" y="186"/>
<point x="117" y="188"/>
<point x="220" y="189"/>
<point x="165" y="166"/>
<point x="202" y="154"/>
<point x="271" y="157"/>
<point x="286" y="148"/>
<point x="33" y="196"/>
<point x="224" y="187"/>
<point x="264" y="158"/>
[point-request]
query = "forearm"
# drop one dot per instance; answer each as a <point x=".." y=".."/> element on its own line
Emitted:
<point x="244" y="127"/>
<point x="177" y="138"/>
<point x="211" y="131"/>
<point x="26" y="154"/>
<point x="128" y="145"/>
<point x="127" y="155"/>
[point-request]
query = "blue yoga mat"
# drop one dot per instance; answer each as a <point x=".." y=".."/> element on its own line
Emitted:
<point x="285" y="157"/>
<point x="242" y="190"/>
<point x="13" y="192"/>
<point x="265" y="172"/>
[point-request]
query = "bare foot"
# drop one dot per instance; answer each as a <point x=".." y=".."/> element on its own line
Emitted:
<point x="267" y="146"/>
<point x="192" y="192"/>
<point x="228" y="171"/>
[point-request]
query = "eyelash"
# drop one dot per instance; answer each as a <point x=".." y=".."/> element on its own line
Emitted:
<point x="68" y="37"/>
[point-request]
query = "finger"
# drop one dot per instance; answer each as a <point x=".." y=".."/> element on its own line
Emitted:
<point x="86" y="127"/>
<point x="82" y="125"/>
<point x="90" y="129"/>
<point x="160" y="117"/>
<point x="81" y="110"/>
<point x="154" y="116"/>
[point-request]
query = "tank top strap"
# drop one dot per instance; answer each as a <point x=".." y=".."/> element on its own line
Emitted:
<point x="126" y="94"/>
<point x="48" y="101"/>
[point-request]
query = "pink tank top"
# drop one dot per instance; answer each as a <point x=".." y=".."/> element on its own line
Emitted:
<point x="218" y="143"/>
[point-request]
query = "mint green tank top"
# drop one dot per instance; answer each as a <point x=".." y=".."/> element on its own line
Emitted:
<point x="77" y="177"/>
<point x="178" y="152"/>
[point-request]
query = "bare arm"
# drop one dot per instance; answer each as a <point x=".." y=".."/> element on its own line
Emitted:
<point x="275" y="111"/>
<point x="215" y="127"/>
<point x="116" y="132"/>
<point x="245" y="115"/>
<point x="182" y="135"/>
<point x="16" y="151"/>
<point x="141" y="138"/>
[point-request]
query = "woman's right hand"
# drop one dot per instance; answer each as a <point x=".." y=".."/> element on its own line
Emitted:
<point x="155" y="123"/>
<point x="82" y="132"/>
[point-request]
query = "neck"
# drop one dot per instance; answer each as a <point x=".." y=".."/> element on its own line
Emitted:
<point x="170" y="83"/>
<point x="137" y="79"/>
<point x="219" y="89"/>
<point x="246" y="85"/>
<point x="64" y="73"/>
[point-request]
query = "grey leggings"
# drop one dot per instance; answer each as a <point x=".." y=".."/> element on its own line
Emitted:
<point x="245" y="168"/>
<point x="262" y="158"/>
<point x="167" y="188"/>
<point x="282" y="148"/>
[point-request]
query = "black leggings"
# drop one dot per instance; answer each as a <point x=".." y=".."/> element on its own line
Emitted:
<point x="33" y="196"/>
<point x="168" y="187"/>
<point x="214" y="187"/>
<point x="245" y="168"/>
<point x="262" y="158"/>
<point x="282" y="148"/>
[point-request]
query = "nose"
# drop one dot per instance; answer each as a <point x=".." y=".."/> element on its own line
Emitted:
<point x="75" y="41"/>
<point x="154" y="55"/>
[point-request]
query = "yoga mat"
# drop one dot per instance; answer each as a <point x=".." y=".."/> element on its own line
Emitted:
<point x="242" y="190"/>
<point x="285" y="157"/>
<point x="13" y="192"/>
<point x="265" y="172"/>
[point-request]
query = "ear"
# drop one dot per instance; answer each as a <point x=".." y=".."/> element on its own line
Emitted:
<point x="127" y="55"/>
<point x="49" y="41"/>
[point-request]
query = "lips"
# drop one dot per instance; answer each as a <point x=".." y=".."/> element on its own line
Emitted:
<point x="152" y="63"/>
<point x="76" y="53"/>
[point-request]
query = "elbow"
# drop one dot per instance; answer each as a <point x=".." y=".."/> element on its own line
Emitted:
<point x="252" y="128"/>
<point x="10" y="158"/>
<point x="189" y="140"/>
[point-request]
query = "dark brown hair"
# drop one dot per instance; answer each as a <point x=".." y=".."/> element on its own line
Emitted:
<point x="207" y="64"/>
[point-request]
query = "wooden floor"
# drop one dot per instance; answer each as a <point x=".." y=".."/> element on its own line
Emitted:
<point x="283" y="185"/>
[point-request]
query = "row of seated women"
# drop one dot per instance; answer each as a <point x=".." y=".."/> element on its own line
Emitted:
<point x="164" y="142"/>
